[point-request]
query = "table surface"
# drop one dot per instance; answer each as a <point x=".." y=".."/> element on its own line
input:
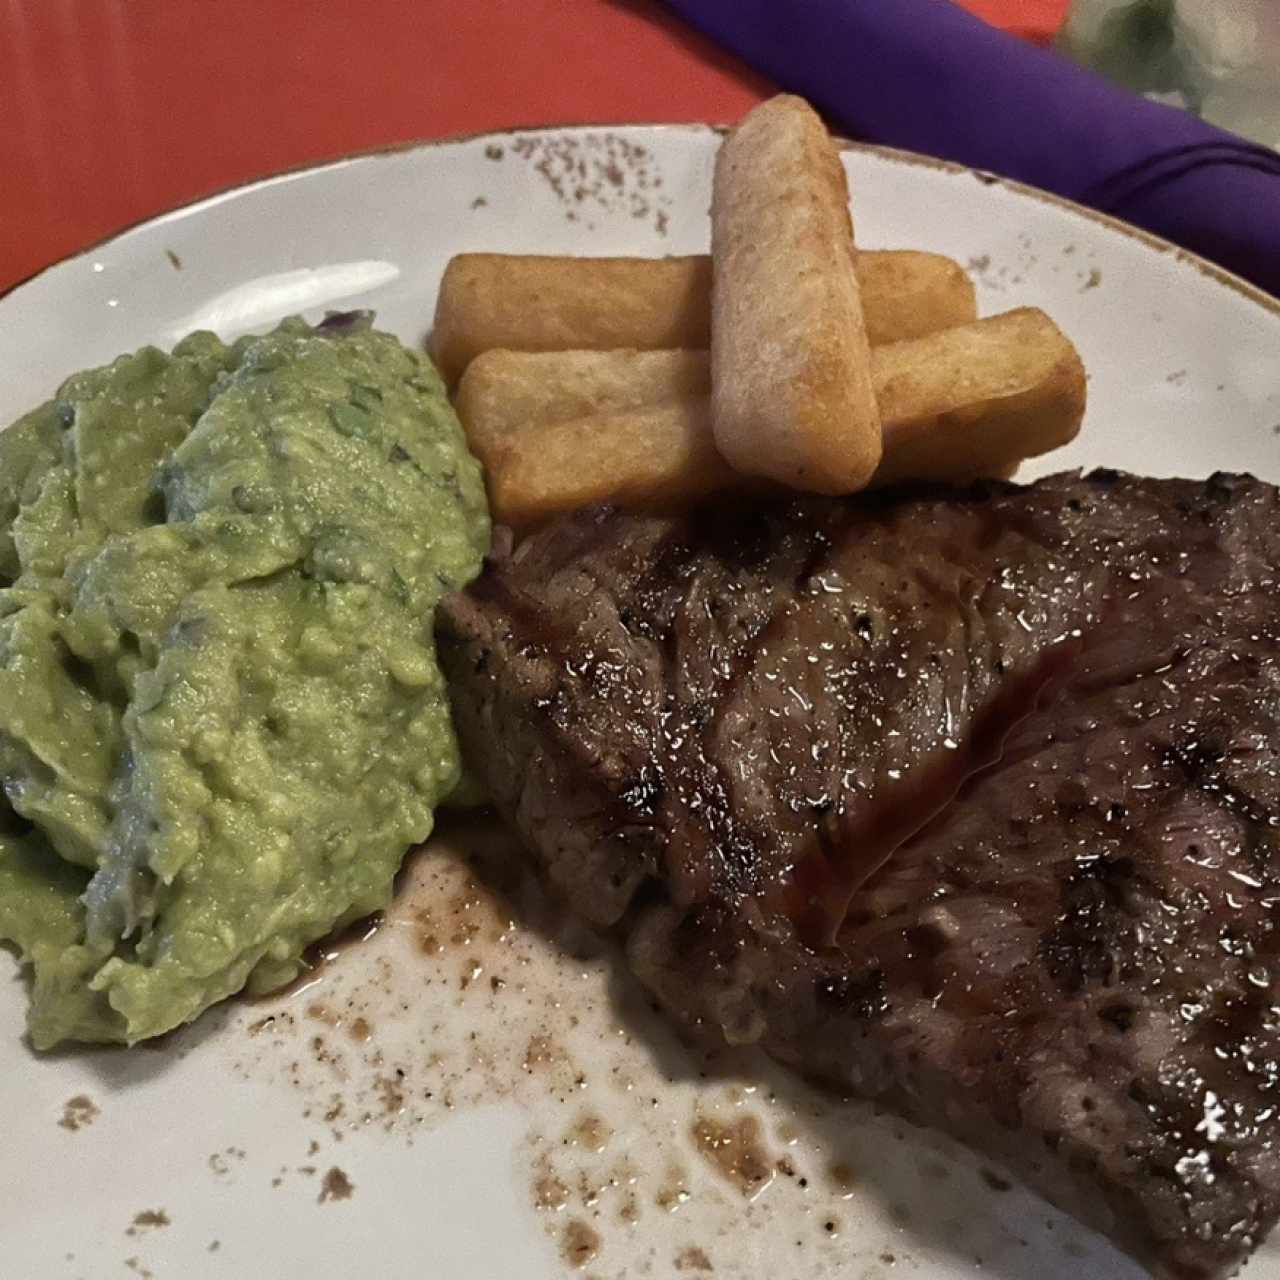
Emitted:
<point x="115" y="110"/>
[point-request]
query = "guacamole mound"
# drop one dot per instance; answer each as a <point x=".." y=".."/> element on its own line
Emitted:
<point x="221" y="719"/>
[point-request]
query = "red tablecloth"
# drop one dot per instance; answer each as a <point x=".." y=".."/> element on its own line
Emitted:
<point x="113" y="110"/>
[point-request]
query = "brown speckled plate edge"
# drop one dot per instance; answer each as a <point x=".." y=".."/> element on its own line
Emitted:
<point x="1213" y="271"/>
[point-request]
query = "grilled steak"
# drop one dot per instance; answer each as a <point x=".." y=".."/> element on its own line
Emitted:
<point x="968" y="803"/>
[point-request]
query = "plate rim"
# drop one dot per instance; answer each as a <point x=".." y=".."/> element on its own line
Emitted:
<point x="1213" y="271"/>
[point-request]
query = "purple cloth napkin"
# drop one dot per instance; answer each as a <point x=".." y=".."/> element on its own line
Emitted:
<point x="930" y="77"/>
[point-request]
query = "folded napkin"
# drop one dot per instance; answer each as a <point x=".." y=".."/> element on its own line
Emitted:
<point x="927" y="76"/>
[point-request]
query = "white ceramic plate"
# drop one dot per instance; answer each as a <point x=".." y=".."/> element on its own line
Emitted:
<point x="477" y="1091"/>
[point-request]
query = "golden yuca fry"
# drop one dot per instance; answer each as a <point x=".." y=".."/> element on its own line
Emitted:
<point x="906" y="294"/>
<point x="791" y="393"/>
<point x="970" y="401"/>
<point x="502" y="392"/>
<point x="660" y="456"/>
<point x="530" y="303"/>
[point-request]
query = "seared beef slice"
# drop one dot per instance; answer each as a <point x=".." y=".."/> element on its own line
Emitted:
<point x="968" y="803"/>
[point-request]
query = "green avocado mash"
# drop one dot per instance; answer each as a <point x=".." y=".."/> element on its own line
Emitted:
<point x="221" y="719"/>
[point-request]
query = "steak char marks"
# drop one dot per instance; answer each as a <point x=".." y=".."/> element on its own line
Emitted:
<point x="967" y="803"/>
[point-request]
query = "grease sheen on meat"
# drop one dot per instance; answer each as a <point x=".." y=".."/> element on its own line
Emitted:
<point x="968" y="803"/>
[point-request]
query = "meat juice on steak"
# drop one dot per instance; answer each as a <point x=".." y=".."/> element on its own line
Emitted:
<point x="970" y="803"/>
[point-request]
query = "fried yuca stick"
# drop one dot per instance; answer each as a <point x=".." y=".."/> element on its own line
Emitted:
<point x="965" y="403"/>
<point x="523" y="302"/>
<point x="791" y="393"/>
<point x="658" y="456"/>
<point x="530" y="303"/>
<point x="971" y="401"/>
<point x="962" y="403"/>
<point x="907" y="293"/>
<point x="502" y="392"/>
